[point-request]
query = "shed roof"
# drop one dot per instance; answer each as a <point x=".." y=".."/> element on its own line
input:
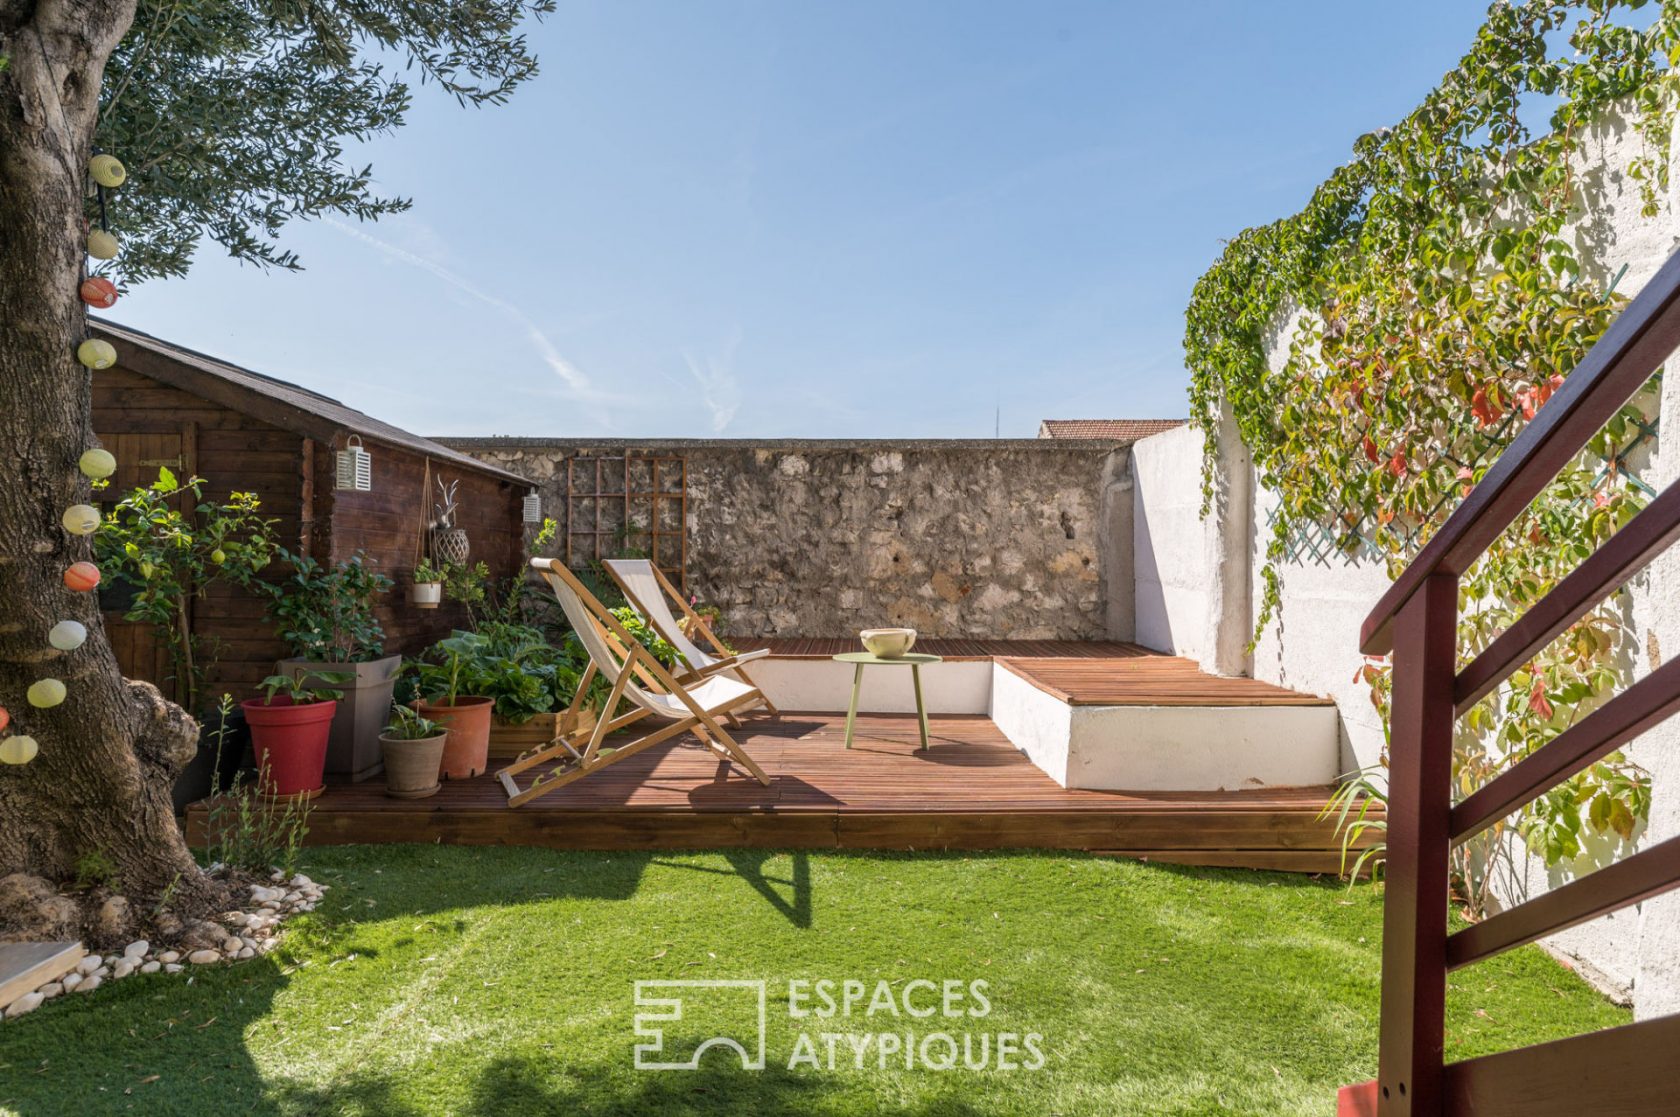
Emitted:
<point x="1122" y="430"/>
<point x="286" y="405"/>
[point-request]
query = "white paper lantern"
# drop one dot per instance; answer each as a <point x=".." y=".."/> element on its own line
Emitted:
<point x="67" y="636"/>
<point x="355" y="467"/>
<point x="18" y="750"/>
<point x="44" y="694"/>
<point x="81" y="519"/>
<point x="533" y="508"/>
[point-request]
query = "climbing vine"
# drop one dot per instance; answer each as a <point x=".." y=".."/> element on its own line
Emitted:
<point x="1434" y="293"/>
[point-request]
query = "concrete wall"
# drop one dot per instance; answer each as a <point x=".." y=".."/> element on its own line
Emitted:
<point x="1022" y="539"/>
<point x="1170" y="543"/>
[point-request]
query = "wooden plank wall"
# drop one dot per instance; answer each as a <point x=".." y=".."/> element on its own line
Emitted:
<point x="134" y="416"/>
<point x="388" y="522"/>
<point x="141" y="419"/>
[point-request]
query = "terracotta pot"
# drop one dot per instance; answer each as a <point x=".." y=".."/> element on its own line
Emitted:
<point x="467" y="752"/>
<point x="290" y="741"/>
<point x="411" y="767"/>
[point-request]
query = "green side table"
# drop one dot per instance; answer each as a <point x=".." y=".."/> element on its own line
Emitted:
<point x="912" y="660"/>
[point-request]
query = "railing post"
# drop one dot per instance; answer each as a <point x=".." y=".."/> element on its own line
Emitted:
<point x="1414" y="977"/>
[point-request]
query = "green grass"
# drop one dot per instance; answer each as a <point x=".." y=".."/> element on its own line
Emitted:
<point x="438" y="980"/>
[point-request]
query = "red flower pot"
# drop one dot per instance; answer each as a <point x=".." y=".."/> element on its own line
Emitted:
<point x="290" y="742"/>
<point x="467" y="752"/>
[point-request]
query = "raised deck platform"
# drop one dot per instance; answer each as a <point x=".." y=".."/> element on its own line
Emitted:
<point x="971" y="790"/>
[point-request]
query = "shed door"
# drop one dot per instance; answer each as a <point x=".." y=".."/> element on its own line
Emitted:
<point x="139" y="457"/>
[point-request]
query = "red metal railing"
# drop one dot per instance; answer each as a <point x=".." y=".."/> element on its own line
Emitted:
<point x="1626" y="1070"/>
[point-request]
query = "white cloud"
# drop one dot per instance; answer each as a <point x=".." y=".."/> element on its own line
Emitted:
<point x="720" y="391"/>
<point x="576" y="381"/>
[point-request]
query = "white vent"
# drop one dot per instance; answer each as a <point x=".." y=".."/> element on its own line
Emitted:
<point x="355" y="467"/>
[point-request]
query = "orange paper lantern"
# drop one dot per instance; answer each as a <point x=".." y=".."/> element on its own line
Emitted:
<point x="5" y="719"/>
<point x="97" y="291"/>
<point x="82" y="577"/>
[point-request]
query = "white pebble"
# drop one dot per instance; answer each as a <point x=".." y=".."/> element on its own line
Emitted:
<point x="301" y="881"/>
<point x="204" y="957"/>
<point x="90" y="984"/>
<point x="71" y="980"/>
<point x="247" y="952"/>
<point x="253" y="922"/>
<point x="151" y="967"/>
<point x="278" y="874"/>
<point x="29" y="1002"/>
<point x="123" y="968"/>
<point x="173" y="967"/>
<point x="51" y="989"/>
<point x="102" y="971"/>
<point x="136" y="949"/>
<point x="90" y="963"/>
<point x="169" y="956"/>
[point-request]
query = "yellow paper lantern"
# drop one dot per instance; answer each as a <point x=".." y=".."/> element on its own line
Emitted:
<point x="97" y="464"/>
<point x="81" y="519"/>
<point x="96" y="353"/>
<point x="107" y="170"/>
<point x="67" y="636"/>
<point x="102" y="245"/>
<point x="18" y="750"/>
<point x="44" y="694"/>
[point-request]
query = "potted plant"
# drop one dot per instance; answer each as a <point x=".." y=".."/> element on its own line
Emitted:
<point x="427" y="590"/>
<point x="326" y="616"/>
<point x="413" y="746"/>
<point x="289" y="728"/>
<point x="167" y="544"/>
<point x="465" y="716"/>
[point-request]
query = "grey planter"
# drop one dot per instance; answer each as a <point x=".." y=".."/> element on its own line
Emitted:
<point x="353" y="748"/>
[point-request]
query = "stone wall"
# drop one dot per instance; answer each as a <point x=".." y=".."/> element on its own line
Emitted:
<point x="1016" y="538"/>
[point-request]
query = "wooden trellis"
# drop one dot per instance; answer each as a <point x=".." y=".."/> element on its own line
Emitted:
<point x="637" y="504"/>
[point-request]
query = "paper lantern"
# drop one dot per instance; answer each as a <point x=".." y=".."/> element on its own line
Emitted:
<point x="81" y="519"/>
<point x="107" y="170"/>
<point x="66" y="636"/>
<point x="44" y="694"/>
<point x="97" y="291"/>
<point x="81" y="577"/>
<point x="18" y="750"/>
<point x="5" y="718"/>
<point x="532" y="505"/>
<point x="102" y="245"/>
<point x="97" y="464"/>
<point x="355" y="467"/>
<point x="96" y="353"/>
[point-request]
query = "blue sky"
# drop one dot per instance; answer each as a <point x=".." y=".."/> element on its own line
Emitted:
<point x="820" y="220"/>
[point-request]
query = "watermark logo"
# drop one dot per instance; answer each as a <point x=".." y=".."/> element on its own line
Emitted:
<point x="916" y="1025"/>
<point x="726" y="1014"/>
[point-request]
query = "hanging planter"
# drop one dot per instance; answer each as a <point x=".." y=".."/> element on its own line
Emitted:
<point x="450" y="546"/>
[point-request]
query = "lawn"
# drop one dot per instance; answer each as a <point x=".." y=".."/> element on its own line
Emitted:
<point x="446" y="980"/>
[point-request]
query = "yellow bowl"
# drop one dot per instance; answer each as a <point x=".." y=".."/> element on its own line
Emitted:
<point x="888" y="643"/>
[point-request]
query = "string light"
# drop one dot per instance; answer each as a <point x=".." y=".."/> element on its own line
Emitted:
<point x="81" y="519"/>
<point x="18" y="750"/>
<point x="97" y="464"/>
<point x="81" y="577"/>
<point x="44" y="694"/>
<point x="96" y="353"/>
<point x="66" y="636"/>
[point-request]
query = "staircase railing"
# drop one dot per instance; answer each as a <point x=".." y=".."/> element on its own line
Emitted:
<point x="1627" y="1070"/>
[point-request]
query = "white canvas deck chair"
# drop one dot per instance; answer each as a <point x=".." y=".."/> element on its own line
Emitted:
<point x="637" y="677"/>
<point x="650" y="593"/>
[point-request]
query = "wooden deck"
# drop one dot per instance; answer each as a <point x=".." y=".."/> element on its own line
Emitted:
<point x="971" y="790"/>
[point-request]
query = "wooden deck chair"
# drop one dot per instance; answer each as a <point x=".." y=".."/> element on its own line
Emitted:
<point x="650" y="593"/>
<point x="637" y="677"/>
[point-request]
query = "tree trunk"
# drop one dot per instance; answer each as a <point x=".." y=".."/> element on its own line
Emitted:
<point x="109" y="754"/>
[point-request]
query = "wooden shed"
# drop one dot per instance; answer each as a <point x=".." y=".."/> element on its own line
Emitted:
<point x="163" y="405"/>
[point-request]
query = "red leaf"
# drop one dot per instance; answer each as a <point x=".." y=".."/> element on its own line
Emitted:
<point x="1371" y="452"/>
<point x="1537" y="700"/>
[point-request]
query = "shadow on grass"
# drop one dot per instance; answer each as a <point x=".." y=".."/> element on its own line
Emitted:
<point x="537" y="1087"/>
<point x="748" y="864"/>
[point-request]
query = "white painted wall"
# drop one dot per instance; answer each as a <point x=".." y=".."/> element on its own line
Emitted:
<point x="1169" y="543"/>
<point x="951" y="687"/>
